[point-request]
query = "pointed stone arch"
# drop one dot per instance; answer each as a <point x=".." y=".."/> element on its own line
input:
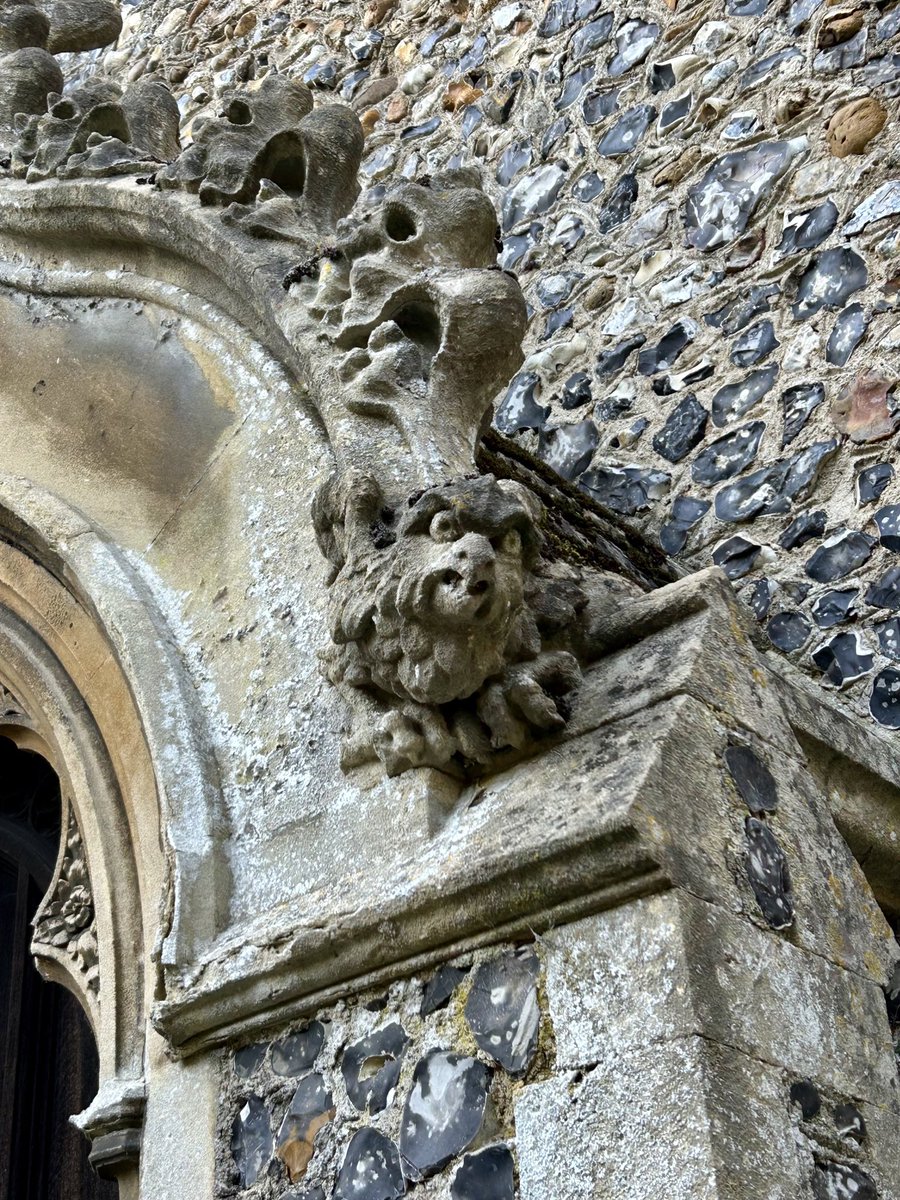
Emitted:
<point x="93" y="682"/>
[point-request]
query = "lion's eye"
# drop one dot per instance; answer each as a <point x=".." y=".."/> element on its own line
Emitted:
<point x="443" y="527"/>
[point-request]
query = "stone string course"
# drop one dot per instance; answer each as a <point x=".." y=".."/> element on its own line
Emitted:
<point x="702" y="204"/>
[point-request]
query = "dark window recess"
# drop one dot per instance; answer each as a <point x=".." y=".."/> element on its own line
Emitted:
<point x="48" y="1059"/>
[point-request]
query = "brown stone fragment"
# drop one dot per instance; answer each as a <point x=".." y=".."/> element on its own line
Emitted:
<point x="600" y="293"/>
<point x="245" y="24"/>
<point x="522" y="26"/>
<point x="460" y="95"/>
<point x="839" y="28"/>
<point x="397" y="108"/>
<point x="676" y="170"/>
<point x="854" y="125"/>
<point x="197" y="11"/>
<point x="864" y="411"/>
<point x="369" y="120"/>
<point x="297" y="1141"/>
<point x="377" y="11"/>
<point x="374" y="92"/>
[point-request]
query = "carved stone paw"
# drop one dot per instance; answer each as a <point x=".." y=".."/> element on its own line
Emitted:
<point x="525" y="699"/>
<point x="412" y="736"/>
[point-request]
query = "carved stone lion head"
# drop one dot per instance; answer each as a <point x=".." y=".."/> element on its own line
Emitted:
<point x="429" y="602"/>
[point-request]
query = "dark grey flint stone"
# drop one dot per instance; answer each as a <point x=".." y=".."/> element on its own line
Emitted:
<point x="760" y="600"/>
<point x="754" y="344"/>
<point x="487" y="1175"/>
<point x="797" y="403"/>
<point x="834" y="1181"/>
<point x="803" y="529"/>
<point x="554" y="288"/>
<point x="513" y="160"/>
<point x="502" y="1009"/>
<point x="805" y="1095"/>
<point x="443" y="1111"/>
<point x="665" y="353"/>
<point x="885" y="593"/>
<point x="371" y="1067"/>
<point x="588" y="187"/>
<point x="519" y="409"/>
<point x="627" y="131"/>
<point x="683" y="429"/>
<point x="871" y="482"/>
<point x="883" y="202"/>
<point x="848" y="332"/>
<point x="758" y="71"/>
<point x="251" y="1141"/>
<point x="299" y="1051"/>
<point x="753" y="779"/>
<point x="888" y="26"/>
<point x="800" y="12"/>
<point x="664" y="387"/>
<point x="611" y="361"/>
<point x="533" y="194"/>
<point x="553" y="134"/>
<point x="675" y="111"/>
<point x="830" y="279"/>
<point x="440" y="988"/>
<point x="417" y="131"/>
<point x="735" y="399"/>
<point x="573" y="87"/>
<point x="311" y="1193"/>
<point x="881" y="72"/>
<point x="516" y="246"/>
<point x="562" y="14"/>
<point x="889" y="637"/>
<point x="591" y="35"/>
<point x="746" y="8"/>
<point x="618" y="204"/>
<point x="728" y="455"/>
<point x="884" y="703"/>
<point x="599" y="105"/>
<point x="371" y="1169"/>
<point x="569" y="448"/>
<point x="849" y="1122"/>
<point x="741" y="126"/>
<point x="833" y="607"/>
<point x="773" y="489"/>
<point x="818" y="223"/>
<point x="736" y="556"/>
<point x="633" y="40"/>
<point x="839" y="554"/>
<point x="576" y="391"/>
<point x="843" y="658"/>
<point x="249" y="1059"/>
<point x="719" y="207"/>
<point x="686" y="512"/>
<point x="734" y="316"/>
<point x="767" y="870"/>
<point x="888" y="521"/>
<point x="788" y="631"/>
<point x="626" y="490"/>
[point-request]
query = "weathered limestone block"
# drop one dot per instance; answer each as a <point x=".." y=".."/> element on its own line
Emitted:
<point x="77" y="25"/>
<point x="652" y="1122"/>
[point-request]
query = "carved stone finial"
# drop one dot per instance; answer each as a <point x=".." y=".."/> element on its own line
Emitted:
<point x="65" y="921"/>
<point x="95" y="130"/>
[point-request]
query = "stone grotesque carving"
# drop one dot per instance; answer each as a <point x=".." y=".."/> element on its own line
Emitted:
<point x="446" y="636"/>
<point x="456" y="634"/>
<point x="65" y="919"/>
<point x="96" y="130"/>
